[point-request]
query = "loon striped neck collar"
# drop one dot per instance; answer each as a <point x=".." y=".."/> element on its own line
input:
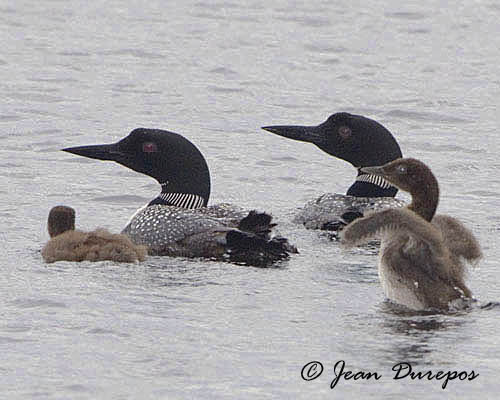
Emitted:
<point x="182" y="200"/>
<point x="375" y="180"/>
<point x="176" y="199"/>
<point x="367" y="185"/>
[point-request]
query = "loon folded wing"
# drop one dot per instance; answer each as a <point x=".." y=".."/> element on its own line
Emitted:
<point x="159" y="225"/>
<point x="173" y="231"/>
<point x="232" y="213"/>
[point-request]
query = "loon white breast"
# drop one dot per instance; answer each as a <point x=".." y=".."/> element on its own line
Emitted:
<point x="423" y="255"/>
<point x="360" y="141"/>
<point x="179" y="222"/>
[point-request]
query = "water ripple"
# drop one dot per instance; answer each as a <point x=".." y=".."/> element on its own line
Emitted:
<point x="309" y="21"/>
<point x="71" y="53"/>
<point x="8" y="339"/>
<point x="102" y="331"/>
<point x="37" y="97"/>
<point x="122" y="199"/>
<point x="223" y="71"/>
<point x="411" y="16"/>
<point x="139" y="53"/>
<point x="425" y="116"/>
<point x="220" y="89"/>
<point x="10" y="118"/>
<point x="325" y="48"/>
<point x="37" y="303"/>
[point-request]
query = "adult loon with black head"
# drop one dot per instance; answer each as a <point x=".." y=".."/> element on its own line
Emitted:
<point x="179" y="221"/>
<point x="360" y="141"/>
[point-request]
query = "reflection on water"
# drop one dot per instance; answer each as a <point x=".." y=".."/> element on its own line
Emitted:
<point x="414" y="335"/>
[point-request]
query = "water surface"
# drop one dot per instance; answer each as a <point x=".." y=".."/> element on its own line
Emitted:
<point x="77" y="73"/>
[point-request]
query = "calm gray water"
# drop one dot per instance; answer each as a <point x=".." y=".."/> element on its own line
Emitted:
<point x="78" y="72"/>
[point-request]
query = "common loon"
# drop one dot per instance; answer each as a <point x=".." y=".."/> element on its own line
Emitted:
<point x="360" y="141"/>
<point x="178" y="222"/>
<point x="422" y="263"/>
<point x="67" y="244"/>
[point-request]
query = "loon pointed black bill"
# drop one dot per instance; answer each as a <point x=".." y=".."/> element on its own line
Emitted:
<point x="99" y="151"/>
<point x="310" y="134"/>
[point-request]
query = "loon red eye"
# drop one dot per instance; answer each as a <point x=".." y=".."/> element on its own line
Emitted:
<point x="149" y="147"/>
<point x="345" y="132"/>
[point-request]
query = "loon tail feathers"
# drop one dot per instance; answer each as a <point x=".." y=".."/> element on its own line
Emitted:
<point x="252" y="244"/>
<point x="393" y="221"/>
<point x="251" y="249"/>
<point x="257" y="223"/>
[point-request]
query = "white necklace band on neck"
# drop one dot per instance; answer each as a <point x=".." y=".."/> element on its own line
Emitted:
<point x="375" y="180"/>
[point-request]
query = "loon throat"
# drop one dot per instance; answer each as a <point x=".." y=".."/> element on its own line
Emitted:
<point x="182" y="200"/>
<point x="375" y="180"/>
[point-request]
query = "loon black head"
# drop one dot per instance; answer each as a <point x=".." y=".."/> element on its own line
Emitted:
<point x="168" y="157"/>
<point x="356" y="139"/>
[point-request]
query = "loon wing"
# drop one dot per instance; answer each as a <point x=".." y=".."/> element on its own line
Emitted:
<point x="224" y="210"/>
<point x="388" y="222"/>
<point x="160" y="225"/>
<point x="173" y="231"/>
<point x="460" y="241"/>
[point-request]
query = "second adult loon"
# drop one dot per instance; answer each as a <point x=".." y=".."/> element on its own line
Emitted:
<point x="178" y="222"/>
<point x="360" y="141"/>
